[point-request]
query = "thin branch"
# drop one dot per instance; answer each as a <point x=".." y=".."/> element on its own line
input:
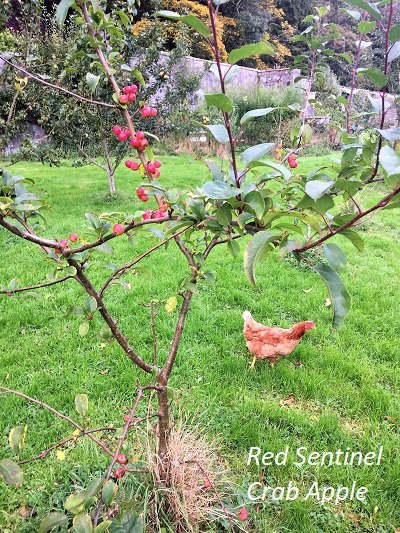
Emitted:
<point x="351" y="222"/>
<point x="38" y="286"/>
<point x="111" y="323"/>
<point x="56" y="87"/>
<point x="63" y="442"/>
<point x="121" y="270"/>
<point x="127" y="426"/>
<point x="60" y="415"/>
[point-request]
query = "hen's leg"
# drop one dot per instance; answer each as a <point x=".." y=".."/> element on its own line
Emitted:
<point x="253" y="363"/>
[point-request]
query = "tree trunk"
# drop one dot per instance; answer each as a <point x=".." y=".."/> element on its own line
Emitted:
<point x="111" y="181"/>
<point x="163" y="422"/>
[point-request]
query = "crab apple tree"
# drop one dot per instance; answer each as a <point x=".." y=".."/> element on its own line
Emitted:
<point x="299" y="213"/>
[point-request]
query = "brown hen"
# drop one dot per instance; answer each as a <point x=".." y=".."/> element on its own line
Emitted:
<point x="271" y="343"/>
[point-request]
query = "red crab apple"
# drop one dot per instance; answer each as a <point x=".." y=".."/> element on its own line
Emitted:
<point x="123" y="98"/>
<point x="151" y="167"/>
<point x="122" y="136"/>
<point x="140" y="134"/>
<point x="243" y="514"/>
<point x="135" y="142"/>
<point x="118" y="229"/>
<point x="207" y="484"/>
<point x="157" y="164"/>
<point x="73" y="237"/>
<point x="121" y="459"/>
<point x="293" y="163"/>
<point x="120" y="472"/>
<point x="156" y="174"/>
<point x="63" y="243"/>
<point x="117" y="130"/>
<point x="147" y="214"/>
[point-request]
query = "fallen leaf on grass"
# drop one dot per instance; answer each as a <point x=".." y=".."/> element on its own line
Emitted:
<point x="354" y="518"/>
<point x="328" y="302"/>
<point x="61" y="455"/>
<point x="104" y="372"/>
<point x="288" y="401"/>
<point x="25" y="512"/>
<point x="307" y="290"/>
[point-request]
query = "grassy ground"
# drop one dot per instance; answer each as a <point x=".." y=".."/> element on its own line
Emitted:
<point x="343" y="394"/>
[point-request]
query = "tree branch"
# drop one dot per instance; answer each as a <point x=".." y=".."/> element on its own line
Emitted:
<point x="38" y="286"/>
<point x="118" y="335"/>
<point x="56" y="87"/>
<point x="60" y="415"/>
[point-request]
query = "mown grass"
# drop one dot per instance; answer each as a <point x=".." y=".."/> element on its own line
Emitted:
<point x="343" y="394"/>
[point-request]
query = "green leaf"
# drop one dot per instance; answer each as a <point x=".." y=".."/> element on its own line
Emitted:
<point x="62" y="10"/>
<point x="256" y="113"/>
<point x="191" y="20"/>
<point x="276" y="166"/>
<point x="224" y="214"/>
<point x="233" y="248"/>
<point x="219" y="132"/>
<point x="335" y="257"/>
<point x="250" y="50"/>
<point x="254" y="251"/>
<point x="219" y="190"/>
<point x="104" y="526"/>
<point x="16" y="438"/>
<point x="83" y="523"/>
<point x="391" y="134"/>
<point x="353" y="237"/>
<point x="366" y="26"/>
<point x="51" y="521"/>
<point x="92" y="81"/>
<point x="394" y="52"/>
<point x="82" y="404"/>
<point x="316" y="188"/>
<point x="340" y="298"/>
<point x="306" y="134"/>
<point x="256" y="202"/>
<point x="94" y="486"/>
<point x="138" y="76"/>
<point x="128" y="522"/>
<point x="197" y="24"/>
<point x="84" y="328"/>
<point x="220" y="101"/>
<point x="390" y="161"/>
<point x="90" y="304"/>
<point x="365" y="6"/>
<point x="11" y="472"/>
<point x="255" y="152"/>
<point x="75" y="502"/>
<point x="109" y="492"/>
<point x="375" y="75"/>
<point x="105" y="248"/>
<point x="216" y="170"/>
<point x="394" y="33"/>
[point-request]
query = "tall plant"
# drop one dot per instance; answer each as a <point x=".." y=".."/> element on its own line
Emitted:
<point x="296" y="215"/>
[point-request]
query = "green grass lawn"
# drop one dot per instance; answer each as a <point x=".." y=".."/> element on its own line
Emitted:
<point x="343" y="394"/>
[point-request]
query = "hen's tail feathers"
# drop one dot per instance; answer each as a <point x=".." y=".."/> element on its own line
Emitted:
<point x="247" y="316"/>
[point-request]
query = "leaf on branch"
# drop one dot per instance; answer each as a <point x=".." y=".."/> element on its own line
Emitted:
<point x="219" y="190"/>
<point x="62" y="10"/>
<point x="375" y="75"/>
<point x="216" y="170"/>
<point x="256" y="202"/>
<point x="83" y="523"/>
<point x="354" y="238"/>
<point x="390" y="161"/>
<point x="220" y="101"/>
<point x="219" y="132"/>
<point x="84" y="328"/>
<point x="335" y="257"/>
<point x="92" y="81"/>
<point x="191" y="20"/>
<point x="394" y="33"/>
<point x="250" y="50"/>
<point x="51" y="521"/>
<point x="340" y="298"/>
<point x="366" y="6"/>
<point x="82" y="404"/>
<point x="394" y="52"/>
<point x="254" y="250"/>
<point x="316" y="189"/>
<point x="256" y="113"/>
<point x="109" y="492"/>
<point x="171" y="304"/>
<point x="391" y="134"/>
<point x="255" y="152"/>
<point x="11" y="472"/>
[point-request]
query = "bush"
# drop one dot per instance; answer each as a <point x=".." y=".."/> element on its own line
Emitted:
<point x="276" y="125"/>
